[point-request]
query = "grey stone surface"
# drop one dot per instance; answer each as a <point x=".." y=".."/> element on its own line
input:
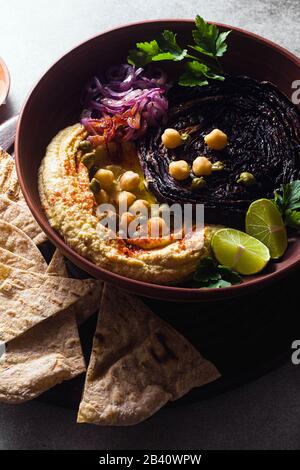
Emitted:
<point x="35" y="33"/>
<point x="263" y="414"/>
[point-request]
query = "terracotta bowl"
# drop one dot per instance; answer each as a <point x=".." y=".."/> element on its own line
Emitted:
<point x="4" y="81"/>
<point x="54" y="103"/>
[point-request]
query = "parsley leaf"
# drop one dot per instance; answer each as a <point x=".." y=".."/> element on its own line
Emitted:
<point x="211" y="275"/>
<point x="229" y="275"/>
<point x="197" y="74"/>
<point x="208" y="39"/>
<point x="292" y="218"/>
<point x="221" y="44"/>
<point x="168" y="43"/>
<point x="164" y="48"/>
<point x="287" y="199"/>
<point x="143" y="53"/>
<point x="293" y="195"/>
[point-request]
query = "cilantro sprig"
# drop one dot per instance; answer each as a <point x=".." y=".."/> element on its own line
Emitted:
<point x="287" y="199"/>
<point x="209" y="43"/>
<point x="211" y="275"/>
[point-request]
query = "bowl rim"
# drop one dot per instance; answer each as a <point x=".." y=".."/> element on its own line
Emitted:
<point x="164" y="292"/>
<point x="7" y="81"/>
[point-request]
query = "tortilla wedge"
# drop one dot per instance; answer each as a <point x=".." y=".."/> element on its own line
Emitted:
<point x="44" y="356"/>
<point x="13" y="240"/>
<point x="138" y="364"/>
<point x="29" y="298"/>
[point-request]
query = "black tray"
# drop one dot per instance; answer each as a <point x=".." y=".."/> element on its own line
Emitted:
<point x="245" y="337"/>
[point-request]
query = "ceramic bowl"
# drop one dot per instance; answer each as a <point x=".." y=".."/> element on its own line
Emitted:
<point x="54" y="104"/>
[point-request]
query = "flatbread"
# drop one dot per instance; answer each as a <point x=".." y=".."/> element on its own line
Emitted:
<point x="19" y="215"/>
<point x="57" y="265"/>
<point x="27" y="299"/>
<point x="44" y="356"/>
<point x="138" y="364"/>
<point x="13" y="208"/>
<point x="12" y="239"/>
<point x="9" y="184"/>
<point x="9" y="258"/>
<point x="87" y="305"/>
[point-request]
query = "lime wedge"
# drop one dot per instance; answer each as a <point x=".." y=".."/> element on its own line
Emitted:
<point x="239" y="251"/>
<point x="264" y="222"/>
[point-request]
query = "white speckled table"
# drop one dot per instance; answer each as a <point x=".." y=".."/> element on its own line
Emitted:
<point x="262" y="414"/>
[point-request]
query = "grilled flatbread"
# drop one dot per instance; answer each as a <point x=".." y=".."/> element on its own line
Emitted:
<point x="12" y="239"/>
<point x="44" y="356"/>
<point x="87" y="305"/>
<point x="138" y="364"/>
<point x="29" y="298"/>
<point x="15" y="261"/>
<point x="19" y="215"/>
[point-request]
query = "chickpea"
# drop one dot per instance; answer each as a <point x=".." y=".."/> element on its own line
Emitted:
<point x="140" y="206"/>
<point x="116" y="169"/>
<point x="157" y="227"/>
<point x="105" y="178"/>
<point x="125" y="221"/>
<point x="126" y="199"/>
<point x="130" y="181"/>
<point x="202" y="166"/>
<point x="102" y="197"/>
<point x="216" y="140"/>
<point x="179" y="170"/>
<point x="171" y="139"/>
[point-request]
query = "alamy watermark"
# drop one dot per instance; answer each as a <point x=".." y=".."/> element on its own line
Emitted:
<point x="296" y="353"/>
<point x="151" y="222"/>
<point x="296" y="94"/>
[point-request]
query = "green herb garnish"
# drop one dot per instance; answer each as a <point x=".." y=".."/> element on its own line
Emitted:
<point x="165" y="47"/>
<point x="208" y="39"/>
<point x="287" y="199"/>
<point x="208" y="42"/>
<point x="197" y="74"/>
<point x="211" y="275"/>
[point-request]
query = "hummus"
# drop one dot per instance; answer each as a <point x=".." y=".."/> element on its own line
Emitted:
<point x="70" y="206"/>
